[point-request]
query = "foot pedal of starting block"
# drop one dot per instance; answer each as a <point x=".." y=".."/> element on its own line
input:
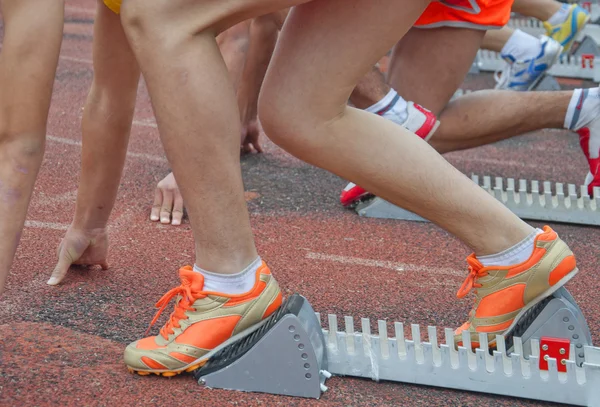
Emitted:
<point x="558" y="316"/>
<point x="286" y="356"/>
<point x="587" y="47"/>
<point x="524" y="199"/>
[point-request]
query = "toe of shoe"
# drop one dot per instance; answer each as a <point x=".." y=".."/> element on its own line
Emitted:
<point x="133" y="357"/>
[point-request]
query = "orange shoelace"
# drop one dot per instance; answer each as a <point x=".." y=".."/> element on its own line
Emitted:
<point x="475" y="272"/>
<point x="183" y="304"/>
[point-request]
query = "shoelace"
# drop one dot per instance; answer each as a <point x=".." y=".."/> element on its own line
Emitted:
<point x="503" y="78"/>
<point x="183" y="304"/>
<point x="475" y="272"/>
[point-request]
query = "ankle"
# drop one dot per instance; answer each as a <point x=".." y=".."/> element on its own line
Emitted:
<point x="515" y="254"/>
<point x="497" y="243"/>
<point x="236" y="283"/>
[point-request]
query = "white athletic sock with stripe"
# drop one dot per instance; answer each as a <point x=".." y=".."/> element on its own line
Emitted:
<point x="583" y="108"/>
<point x="513" y="255"/>
<point x="392" y="107"/>
<point x="238" y="283"/>
<point x="560" y="16"/>
<point x="522" y="46"/>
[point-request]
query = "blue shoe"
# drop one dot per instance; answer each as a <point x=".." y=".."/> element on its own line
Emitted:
<point x="524" y="75"/>
<point x="566" y="32"/>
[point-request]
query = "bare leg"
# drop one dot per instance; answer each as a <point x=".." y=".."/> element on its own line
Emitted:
<point x="106" y="127"/>
<point x="540" y="9"/>
<point x="203" y="148"/>
<point x="315" y="124"/>
<point x="233" y="44"/>
<point x="370" y="90"/>
<point x="494" y="40"/>
<point x="413" y="69"/>
<point x="264" y="31"/>
<point x="488" y="116"/>
<point x="32" y="39"/>
<point x="477" y="118"/>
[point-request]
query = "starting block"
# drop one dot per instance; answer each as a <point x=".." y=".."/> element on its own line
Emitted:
<point x="553" y="359"/>
<point x="571" y="66"/>
<point x="527" y="201"/>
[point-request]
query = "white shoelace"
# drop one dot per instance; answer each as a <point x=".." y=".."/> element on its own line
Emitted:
<point x="502" y="76"/>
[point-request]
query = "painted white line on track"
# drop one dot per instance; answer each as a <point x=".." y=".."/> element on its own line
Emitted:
<point x="390" y="265"/>
<point x="45" y="225"/>
<point x="75" y="59"/>
<point x="144" y="123"/>
<point x="80" y="9"/>
<point x="144" y="156"/>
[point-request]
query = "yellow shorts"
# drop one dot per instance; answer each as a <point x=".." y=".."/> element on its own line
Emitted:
<point x="114" y="5"/>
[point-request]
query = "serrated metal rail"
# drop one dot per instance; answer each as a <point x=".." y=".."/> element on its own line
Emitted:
<point x="524" y="198"/>
<point x="379" y="357"/>
<point x="582" y="67"/>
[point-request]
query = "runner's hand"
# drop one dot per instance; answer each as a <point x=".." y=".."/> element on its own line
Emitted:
<point x="80" y="247"/>
<point x="168" y="203"/>
<point x="250" y="138"/>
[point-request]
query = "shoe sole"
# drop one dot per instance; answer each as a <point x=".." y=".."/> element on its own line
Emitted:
<point x="359" y="199"/>
<point x="541" y="76"/>
<point x="198" y="363"/>
<point x="579" y="37"/>
<point x="533" y="303"/>
<point x="432" y="131"/>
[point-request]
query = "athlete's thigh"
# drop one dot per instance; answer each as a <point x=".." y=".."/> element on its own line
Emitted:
<point x="326" y="46"/>
<point x="196" y="16"/>
<point x="429" y="65"/>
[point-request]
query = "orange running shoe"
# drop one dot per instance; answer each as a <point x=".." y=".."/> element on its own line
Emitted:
<point x="203" y="322"/>
<point x="504" y="294"/>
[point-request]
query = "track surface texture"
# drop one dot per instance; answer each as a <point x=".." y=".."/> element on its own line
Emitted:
<point x="63" y="345"/>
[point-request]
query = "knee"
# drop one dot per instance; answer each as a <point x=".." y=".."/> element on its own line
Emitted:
<point x="26" y="148"/>
<point x="266" y="25"/>
<point x="138" y="22"/>
<point x="289" y="125"/>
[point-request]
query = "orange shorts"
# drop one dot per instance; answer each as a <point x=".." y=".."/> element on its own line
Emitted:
<point x="477" y="14"/>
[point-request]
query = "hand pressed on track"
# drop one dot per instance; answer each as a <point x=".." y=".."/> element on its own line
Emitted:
<point x="80" y="247"/>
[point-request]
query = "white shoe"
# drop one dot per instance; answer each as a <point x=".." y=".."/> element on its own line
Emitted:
<point x="524" y="75"/>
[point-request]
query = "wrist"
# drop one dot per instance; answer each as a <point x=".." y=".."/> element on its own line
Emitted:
<point x="94" y="220"/>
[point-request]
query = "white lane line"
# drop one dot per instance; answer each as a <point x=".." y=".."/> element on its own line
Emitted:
<point x="45" y="225"/>
<point x="80" y="9"/>
<point x="145" y="123"/>
<point x="144" y="156"/>
<point x="390" y="265"/>
<point x="74" y="59"/>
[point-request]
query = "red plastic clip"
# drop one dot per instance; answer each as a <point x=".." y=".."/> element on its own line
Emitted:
<point x="589" y="58"/>
<point x="557" y="349"/>
<point x="587" y="5"/>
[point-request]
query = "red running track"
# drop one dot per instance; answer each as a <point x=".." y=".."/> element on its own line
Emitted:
<point x="63" y="346"/>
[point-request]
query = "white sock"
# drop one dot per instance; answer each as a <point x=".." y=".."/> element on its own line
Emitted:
<point x="522" y="46"/>
<point x="514" y="255"/>
<point x="239" y="283"/>
<point x="392" y="107"/>
<point x="578" y="114"/>
<point x="560" y="16"/>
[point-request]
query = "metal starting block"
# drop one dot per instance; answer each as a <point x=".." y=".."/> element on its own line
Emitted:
<point x="286" y="356"/>
<point x="527" y="201"/>
<point x="572" y="66"/>
<point x="553" y="360"/>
